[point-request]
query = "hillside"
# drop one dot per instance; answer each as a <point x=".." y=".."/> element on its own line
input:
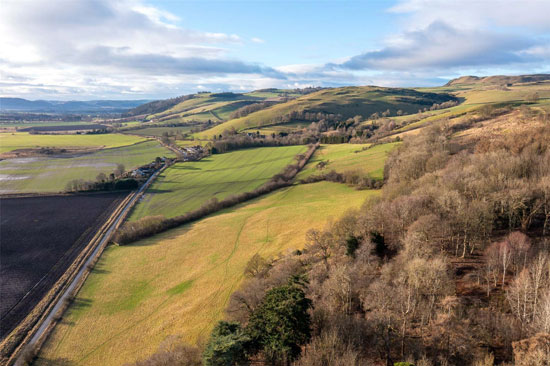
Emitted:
<point x="344" y="103"/>
<point x="205" y="106"/>
<point x="499" y="79"/>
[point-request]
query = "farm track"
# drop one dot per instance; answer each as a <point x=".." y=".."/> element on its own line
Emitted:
<point x="38" y="325"/>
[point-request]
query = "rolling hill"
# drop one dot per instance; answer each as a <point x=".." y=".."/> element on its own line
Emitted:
<point x="346" y="102"/>
<point x="204" y="106"/>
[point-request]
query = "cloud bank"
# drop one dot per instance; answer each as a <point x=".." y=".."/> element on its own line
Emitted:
<point x="129" y="48"/>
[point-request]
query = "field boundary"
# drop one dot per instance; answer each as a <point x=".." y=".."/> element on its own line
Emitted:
<point x="141" y="229"/>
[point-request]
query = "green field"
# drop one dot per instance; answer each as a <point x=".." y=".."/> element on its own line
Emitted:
<point x="23" y="140"/>
<point x="51" y="174"/>
<point x="347" y="101"/>
<point x="179" y="282"/>
<point x="158" y="131"/>
<point x="186" y="186"/>
<point x="349" y="157"/>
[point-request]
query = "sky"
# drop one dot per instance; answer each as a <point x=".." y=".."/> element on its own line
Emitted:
<point x="155" y="49"/>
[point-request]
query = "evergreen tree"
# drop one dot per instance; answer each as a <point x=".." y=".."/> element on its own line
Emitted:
<point x="281" y="324"/>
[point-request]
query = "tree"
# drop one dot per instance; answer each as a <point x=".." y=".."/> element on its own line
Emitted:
<point x="227" y="345"/>
<point x="120" y="169"/>
<point x="101" y="177"/>
<point x="281" y="324"/>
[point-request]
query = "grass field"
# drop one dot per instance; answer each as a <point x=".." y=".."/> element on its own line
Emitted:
<point x="186" y="186"/>
<point x="51" y="174"/>
<point x="158" y="131"/>
<point x="346" y="157"/>
<point x="24" y="140"/>
<point x="178" y="283"/>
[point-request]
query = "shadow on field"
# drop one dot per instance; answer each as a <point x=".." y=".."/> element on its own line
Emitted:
<point x="100" y="271"/>
<point x="81" y="304"/>
<point x="185" y="167"/>
<point x="156" y="190"/>
<point x="167" y="235"/>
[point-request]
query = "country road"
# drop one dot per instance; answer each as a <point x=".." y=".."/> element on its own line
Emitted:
<point x="37" y="337"/>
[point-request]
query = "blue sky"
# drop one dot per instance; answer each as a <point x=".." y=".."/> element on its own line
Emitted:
<point x="149" y="49"/>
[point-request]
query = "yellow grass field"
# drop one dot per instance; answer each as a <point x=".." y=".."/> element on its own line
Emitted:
<point x="24" y="140"/>
<point x="178" y="283"/>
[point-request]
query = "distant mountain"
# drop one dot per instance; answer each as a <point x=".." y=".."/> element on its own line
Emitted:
<point x="499" y="79"/>
<point x="52" y="106"/>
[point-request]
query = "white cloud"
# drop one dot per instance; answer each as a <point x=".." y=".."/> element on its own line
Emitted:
<point x="101" y="46"/>
<point x="257" y="40"/>
<point x="531" y="14"/>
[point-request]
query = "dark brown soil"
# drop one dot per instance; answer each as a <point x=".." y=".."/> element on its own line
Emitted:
<point x="39" y="238"/>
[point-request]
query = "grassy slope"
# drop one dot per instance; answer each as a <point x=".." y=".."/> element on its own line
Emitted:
<point x="51" y="174"/>
<point x="24" y="140"/>
<point x="345" y="157"/>
<point x="186" y="186"/>
<point x="179" y="282"/>
<point x="347" y="101"/>
<point x="203" y="107"/>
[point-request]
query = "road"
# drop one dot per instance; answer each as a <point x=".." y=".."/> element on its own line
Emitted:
<point x="48" y="320"/>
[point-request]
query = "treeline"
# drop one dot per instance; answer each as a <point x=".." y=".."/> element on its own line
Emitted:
<point x="115" y="181"/>
<point x="355" y="178"/>
<point x="231" y="140"/>
<point x="148" y="226"/>
<point x="157" y="106"/>
<point x="251" y="108"/>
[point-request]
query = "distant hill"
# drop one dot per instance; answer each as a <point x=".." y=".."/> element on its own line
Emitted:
<point x="346" y="102"/>
<point x="51" y="106"/>
<point x="206" y="106"/>
<point x="499" y="79"/>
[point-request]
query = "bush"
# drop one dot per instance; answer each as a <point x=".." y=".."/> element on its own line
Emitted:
<point x="227" y="345"/>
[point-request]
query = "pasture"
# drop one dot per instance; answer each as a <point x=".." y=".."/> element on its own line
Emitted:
<point x="177" y="284"/>
<point x="349" y="157"/>
<point x="23" y="140"/>
<point x="158" y="131"/>
<point x="41" y="236"/>
<point x="186" y="186"/>
<point x="51" y="174"/>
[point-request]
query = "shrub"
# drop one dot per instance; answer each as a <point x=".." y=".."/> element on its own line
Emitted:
<point x="227" y="345"/>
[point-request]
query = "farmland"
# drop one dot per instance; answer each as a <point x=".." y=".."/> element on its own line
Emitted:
<point x="64" y="128"/>
<point x="178" y="283"/>
<point x="40" y="237"/>
<point x="158" y="131"/>
<point x="349" y="157"/>
<point x="24" y="140"/>
<point x="186" y="186"/>
<point x="51" y="174"/>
